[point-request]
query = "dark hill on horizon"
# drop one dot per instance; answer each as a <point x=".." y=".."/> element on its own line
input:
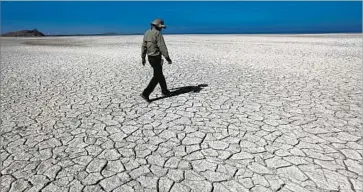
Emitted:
<point x="36" y="33"/>
<point x="24" y="33"/>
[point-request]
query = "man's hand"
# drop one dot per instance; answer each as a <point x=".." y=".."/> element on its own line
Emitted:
<point x="143" y="61"/>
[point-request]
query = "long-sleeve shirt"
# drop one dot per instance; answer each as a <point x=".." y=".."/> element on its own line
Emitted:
<point x="153" y="44"/>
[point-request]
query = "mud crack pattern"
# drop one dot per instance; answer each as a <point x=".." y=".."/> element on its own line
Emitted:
<point x="280" y="113"/>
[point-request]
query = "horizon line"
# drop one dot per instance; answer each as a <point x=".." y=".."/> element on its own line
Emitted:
<point x="187" y="33"/>
<point x="90" y="35"/>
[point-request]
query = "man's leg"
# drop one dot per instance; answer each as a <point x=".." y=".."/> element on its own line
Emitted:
<point x="158" y="77"/>
<point x="161" y="79"/>
<point x="154" y="81"/>
<point x="158" y="73"/>
<point x="150" y="88"/>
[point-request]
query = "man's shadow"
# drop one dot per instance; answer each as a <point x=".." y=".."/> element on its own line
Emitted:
<point x="182" y="90"/>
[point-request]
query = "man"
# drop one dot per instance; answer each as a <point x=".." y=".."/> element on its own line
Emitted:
<point x="154" y="47"/>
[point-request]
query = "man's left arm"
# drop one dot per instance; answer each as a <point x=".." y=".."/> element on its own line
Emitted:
<point x="162" y="46"/>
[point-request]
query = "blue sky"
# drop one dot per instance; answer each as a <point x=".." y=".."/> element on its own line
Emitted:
<point x="182" y="17"/>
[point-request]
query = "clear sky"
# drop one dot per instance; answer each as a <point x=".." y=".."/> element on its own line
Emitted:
<point x="182" y="17"/>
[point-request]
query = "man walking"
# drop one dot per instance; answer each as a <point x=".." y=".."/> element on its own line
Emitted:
<point x="154" y="47"/>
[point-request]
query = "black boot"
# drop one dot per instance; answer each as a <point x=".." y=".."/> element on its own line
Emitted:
<point x="146" y="98"/>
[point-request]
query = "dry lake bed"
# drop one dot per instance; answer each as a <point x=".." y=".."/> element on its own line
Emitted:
<point x="252" y="113"/>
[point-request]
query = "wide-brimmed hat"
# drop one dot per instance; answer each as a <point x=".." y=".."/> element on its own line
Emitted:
<point x="159" y="23"/>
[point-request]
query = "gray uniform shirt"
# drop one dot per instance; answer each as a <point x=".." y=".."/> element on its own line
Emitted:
<point x="153" y="44"/>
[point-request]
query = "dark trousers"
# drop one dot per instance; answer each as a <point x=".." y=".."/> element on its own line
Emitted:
<point x="155" y="62"/>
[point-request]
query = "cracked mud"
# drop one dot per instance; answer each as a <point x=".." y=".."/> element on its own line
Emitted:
<point x="280" y="113"/>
